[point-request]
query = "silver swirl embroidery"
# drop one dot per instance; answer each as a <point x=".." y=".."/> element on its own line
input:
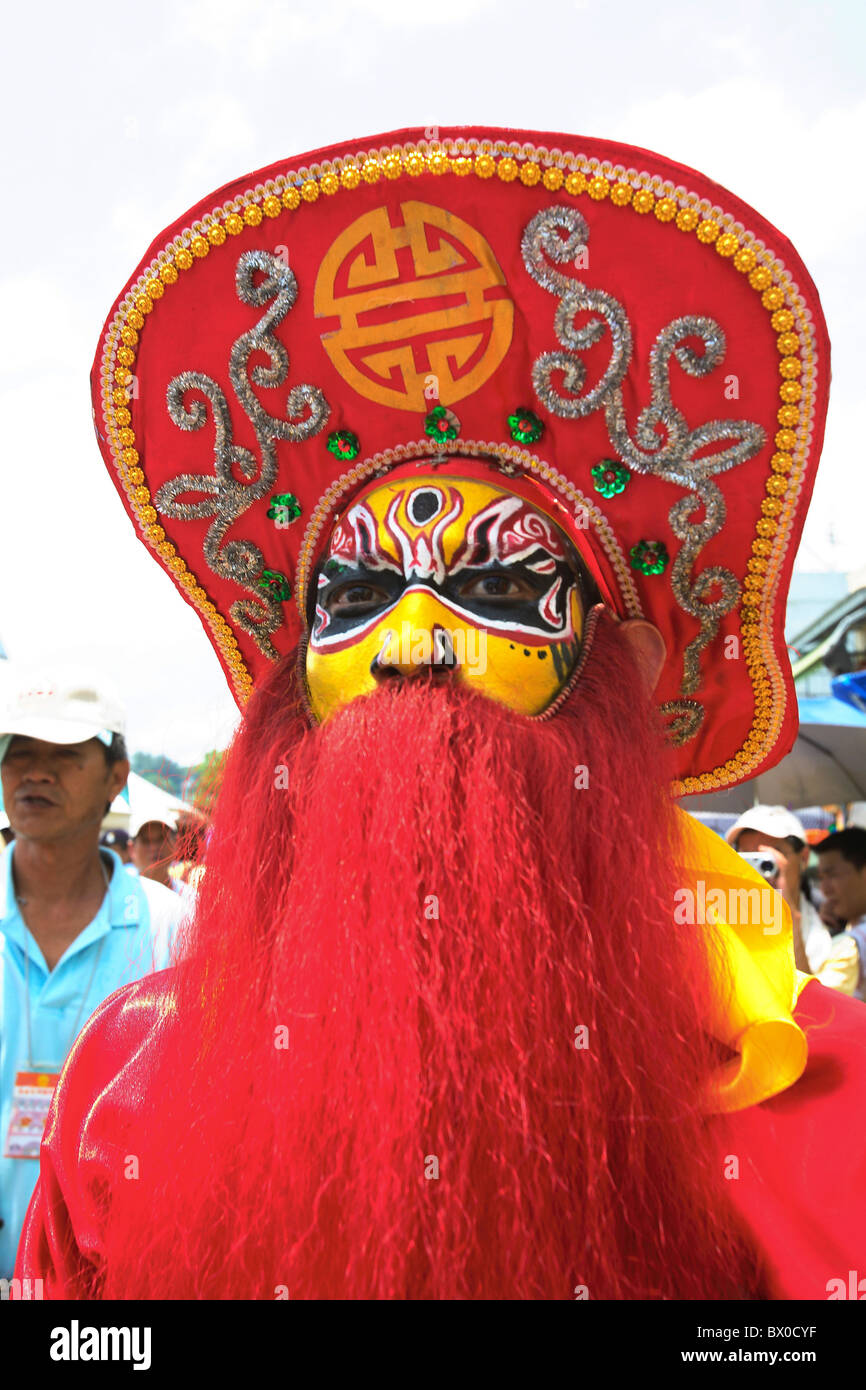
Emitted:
<point x="663" y="446"/>
<point x="686" y="717"/>
<point x="542" y="243"/>
<point x="240" y="478"/>
<point x="674" y="458"/>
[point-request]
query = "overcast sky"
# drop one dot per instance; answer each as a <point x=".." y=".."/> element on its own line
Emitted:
<point x="117" y="117"/>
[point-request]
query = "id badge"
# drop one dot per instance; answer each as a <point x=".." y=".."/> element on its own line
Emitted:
<point x="31" y="1097"/>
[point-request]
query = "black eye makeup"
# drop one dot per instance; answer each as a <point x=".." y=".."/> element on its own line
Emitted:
<point x="353" y="592"/>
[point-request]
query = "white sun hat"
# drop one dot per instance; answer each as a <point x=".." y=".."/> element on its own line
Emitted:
<point x="777" y="821"/>
<point x="59" y="704"/>
<point x="157" y="816"/>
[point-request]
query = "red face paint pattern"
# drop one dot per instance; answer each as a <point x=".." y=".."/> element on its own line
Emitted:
<point x="506" y="532"/>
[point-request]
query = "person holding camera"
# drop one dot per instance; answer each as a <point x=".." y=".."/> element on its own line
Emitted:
<point x="776" y="833"/>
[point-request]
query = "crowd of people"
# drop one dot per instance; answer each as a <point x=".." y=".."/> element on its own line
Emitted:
<point x="826" y="898"/>
<point x="77" y="921"/>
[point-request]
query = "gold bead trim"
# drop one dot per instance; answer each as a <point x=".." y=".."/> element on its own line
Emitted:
<point x="557" y="172"/>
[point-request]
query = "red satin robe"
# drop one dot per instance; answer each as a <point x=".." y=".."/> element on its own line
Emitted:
<point x="801" y="1156"/>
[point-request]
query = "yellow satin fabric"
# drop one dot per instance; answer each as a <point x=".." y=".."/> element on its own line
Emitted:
<point x="758" y="984"/>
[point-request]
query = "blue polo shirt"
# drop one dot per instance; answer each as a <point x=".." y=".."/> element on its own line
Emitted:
<point x="130" y="936"/>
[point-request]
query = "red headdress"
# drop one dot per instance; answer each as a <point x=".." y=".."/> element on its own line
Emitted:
<point x="613" y="332"/>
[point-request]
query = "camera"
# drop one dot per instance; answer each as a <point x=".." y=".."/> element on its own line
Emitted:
<point x="763" y="862"/>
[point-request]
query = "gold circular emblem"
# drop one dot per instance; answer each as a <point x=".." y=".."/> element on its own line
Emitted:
<point x="416" y="307"/>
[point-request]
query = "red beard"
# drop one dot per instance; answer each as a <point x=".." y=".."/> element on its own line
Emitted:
<point x="494" y="1057"/>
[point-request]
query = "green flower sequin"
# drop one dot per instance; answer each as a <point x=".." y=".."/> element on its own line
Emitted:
<point x="650" y="557"/>
<point x="343" y="444"/>
<point x="275" y="584"/>
<point x="442" y="424"/>
<point x="609" y="478"/>
<point x="526" y="428"/>
<point x="284" y="508"/>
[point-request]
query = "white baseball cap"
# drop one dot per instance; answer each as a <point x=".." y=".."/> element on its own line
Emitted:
<point x="776" y="821"/>
<point x="59" y="705"/>
<point x="166" y="818"/>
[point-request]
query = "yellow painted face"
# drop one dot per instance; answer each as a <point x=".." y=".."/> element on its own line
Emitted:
<point x="450" y="575"/>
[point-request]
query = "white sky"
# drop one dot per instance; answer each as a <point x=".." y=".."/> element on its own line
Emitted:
<point x="117" y="117"/>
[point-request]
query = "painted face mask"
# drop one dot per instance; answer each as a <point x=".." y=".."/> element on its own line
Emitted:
<point x="450" y="576"/>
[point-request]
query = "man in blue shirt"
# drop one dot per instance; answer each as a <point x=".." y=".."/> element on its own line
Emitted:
<point x="73" y="926"/>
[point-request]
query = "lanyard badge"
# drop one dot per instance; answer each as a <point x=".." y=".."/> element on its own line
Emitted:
<point x="33" y="1088"/>
<point x="31" y="1098"/>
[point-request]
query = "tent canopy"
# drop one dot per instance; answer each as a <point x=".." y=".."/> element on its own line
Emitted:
<point x="141" y="801"/>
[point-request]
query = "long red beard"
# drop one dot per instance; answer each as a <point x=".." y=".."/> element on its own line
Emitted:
<point x="494" y="1057"/>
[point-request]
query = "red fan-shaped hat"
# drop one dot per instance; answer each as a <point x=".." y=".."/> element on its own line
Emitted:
<point x="604" y="329"/>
